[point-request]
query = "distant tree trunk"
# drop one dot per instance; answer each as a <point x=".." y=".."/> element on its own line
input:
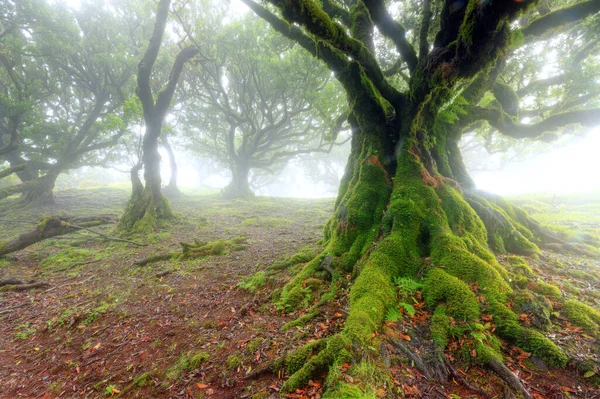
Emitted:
<point x="147" y="203"/>
<point x="171" y="190"/>
<point x="149" y="206"/>
<point x="239" y="186"/>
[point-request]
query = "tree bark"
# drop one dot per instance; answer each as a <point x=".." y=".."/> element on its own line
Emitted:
<point x="239" y="186"/>
<point x="41" y="190"/>
<point x="171" y="190"/>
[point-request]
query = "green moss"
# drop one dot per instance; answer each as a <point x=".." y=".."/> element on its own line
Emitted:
<point x="370" y="296"/>
<point x="254" y="282"/>
<point x="583" y="315"/>
<point x="218" y="247"/>
<point x="508" y="326"/>
<point x="254" y="344"/>
<point x="441" y="327"/>
<point x="336" y="349"/>
<point x="187" y="362"/>
<point x="548" y="289"/>
<point x="233" y="362"/>
<point x="142" y="380"/>
<point x="296" y="359"/>
<point x="461" y="303"/>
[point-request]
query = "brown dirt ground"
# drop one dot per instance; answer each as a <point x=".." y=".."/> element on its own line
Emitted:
<point x="103" y="322"/>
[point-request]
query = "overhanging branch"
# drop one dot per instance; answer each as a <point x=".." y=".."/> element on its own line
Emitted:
<point x="392" y="30"/>
<point x="509" y="127"/>
<point x="560" y="17"/>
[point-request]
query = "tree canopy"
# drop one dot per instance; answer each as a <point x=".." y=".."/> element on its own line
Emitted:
<point x="259" y="102"/>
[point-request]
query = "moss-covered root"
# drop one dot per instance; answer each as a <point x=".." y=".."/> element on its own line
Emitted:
<point x="583" y="316"/>
<point x="509" y="228"/>
<point x="314" y="358"/>
<point x="143" y="212"/>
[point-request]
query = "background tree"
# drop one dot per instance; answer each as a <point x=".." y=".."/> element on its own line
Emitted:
<point x="149" y="205"/>
<point x="65" y="78"/>
<point x="260" y="102"/>
<point x="406" y="205"/>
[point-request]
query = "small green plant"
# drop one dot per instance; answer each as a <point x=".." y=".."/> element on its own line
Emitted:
<point x="111" y="390"/>
<point x="407" y="284"/>
<point x="393" y="315"/>
<point x="187" y="362"/>
<point x="408" y="308"/>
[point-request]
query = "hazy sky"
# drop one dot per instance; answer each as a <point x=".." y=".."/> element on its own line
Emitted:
<point x="572" y="168"/>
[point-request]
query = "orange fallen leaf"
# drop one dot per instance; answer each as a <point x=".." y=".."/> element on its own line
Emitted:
<point x="201" y="386"/>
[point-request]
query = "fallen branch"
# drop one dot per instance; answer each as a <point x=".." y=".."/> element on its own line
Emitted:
<point x="10" y="281"/>
<point x="25" y="287"/>
<point x="105" y="236"/>
<point x="74" y="283"/>
<point x="154" y="258"/>
<point x="164" y="273"/>
<point x="56" y="226"/>
<point x="188" y="250"/>
<point x="72" y="265"/>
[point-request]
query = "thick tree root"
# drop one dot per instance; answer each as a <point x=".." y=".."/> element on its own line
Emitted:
<point x="508" y="377"/>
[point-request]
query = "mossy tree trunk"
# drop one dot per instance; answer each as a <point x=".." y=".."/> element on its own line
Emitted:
<point x="406" y="206"/>
<point x="149" y="206"/>
<point x="41" y="190"/>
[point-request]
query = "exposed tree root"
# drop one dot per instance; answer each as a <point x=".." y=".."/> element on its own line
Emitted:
<point x="508" y="377"/>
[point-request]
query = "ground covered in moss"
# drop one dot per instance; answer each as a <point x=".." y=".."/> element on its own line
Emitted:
<point x="208" y="322"/>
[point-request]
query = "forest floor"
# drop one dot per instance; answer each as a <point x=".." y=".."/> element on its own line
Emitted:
<point x="202" y="327"/>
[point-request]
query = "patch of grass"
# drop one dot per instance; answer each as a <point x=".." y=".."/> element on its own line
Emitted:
<point x="24" y="331"/>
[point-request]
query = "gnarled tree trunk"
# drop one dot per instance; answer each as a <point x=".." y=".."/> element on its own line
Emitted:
<point x="406" y="206"/>
<point x="239" y="186"/>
